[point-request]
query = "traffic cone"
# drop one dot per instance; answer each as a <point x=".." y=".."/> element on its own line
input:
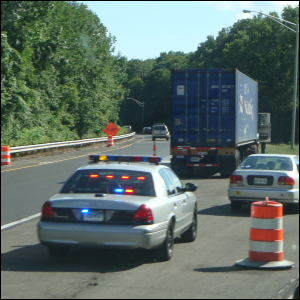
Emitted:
<point x="154" y="149"/>
<point x="5" y="155"/>
<point x="266" y="237"/>
<point x="110" y="141"/>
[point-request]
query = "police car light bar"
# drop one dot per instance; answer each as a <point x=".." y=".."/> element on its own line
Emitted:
<point x="124" y="158"/>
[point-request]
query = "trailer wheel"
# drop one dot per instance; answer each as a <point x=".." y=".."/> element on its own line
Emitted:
<point x="237" y="158"/>
<point x="254" y="148"/>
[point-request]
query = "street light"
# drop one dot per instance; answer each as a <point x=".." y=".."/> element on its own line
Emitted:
<point x="141" y="104"/>
<point x="295" y="71"/>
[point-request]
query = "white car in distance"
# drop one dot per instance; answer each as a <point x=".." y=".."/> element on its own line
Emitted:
<point x="275" y="176"/>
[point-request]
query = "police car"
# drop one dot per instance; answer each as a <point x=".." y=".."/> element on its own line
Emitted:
<point x="124" y="202"/>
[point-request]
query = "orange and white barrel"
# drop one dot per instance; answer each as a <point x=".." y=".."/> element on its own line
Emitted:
<point x="266" y="237"/>
<point x="154" y="149"/>
<point x="110" y="141"/>
<point x="266" y="232"/>
<point x="5" y="155"/>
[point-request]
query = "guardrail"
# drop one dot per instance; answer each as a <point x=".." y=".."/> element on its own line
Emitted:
<point x="66" y="144"/>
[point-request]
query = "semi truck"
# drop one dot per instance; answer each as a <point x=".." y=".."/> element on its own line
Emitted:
<point x="214" y="120"/>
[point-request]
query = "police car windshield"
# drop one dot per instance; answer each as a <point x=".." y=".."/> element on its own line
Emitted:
<point x="110" y="182"/>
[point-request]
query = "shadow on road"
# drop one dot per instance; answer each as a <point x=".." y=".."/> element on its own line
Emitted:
<point x="35" y="258"/>
<point x="225" y="210"/>
<point x="201" y="177"/>
<point x="233" y="268"/>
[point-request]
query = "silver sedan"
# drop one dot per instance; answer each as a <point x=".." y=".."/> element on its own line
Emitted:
<point x="124" y="202"/>
<point x="275" y="176"/>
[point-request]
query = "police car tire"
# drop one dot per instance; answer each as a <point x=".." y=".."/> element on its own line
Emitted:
<point x="191" y="234"/>
<point x="165" y="250"/>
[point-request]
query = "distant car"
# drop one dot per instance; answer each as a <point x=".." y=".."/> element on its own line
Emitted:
<point x="147" y="130"/>
<point x="160" y="131"/>
<point x="155" y="124"/>
<point x="265" y="175"/>
<point x="129" y="129"/>
<point x="123" y="202"/>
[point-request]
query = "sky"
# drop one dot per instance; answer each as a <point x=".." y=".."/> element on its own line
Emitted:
<point x="144" y="29"/>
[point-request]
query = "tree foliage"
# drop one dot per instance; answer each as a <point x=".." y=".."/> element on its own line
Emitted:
<point x="60" y="79"/>
<point x="259" y="47"/>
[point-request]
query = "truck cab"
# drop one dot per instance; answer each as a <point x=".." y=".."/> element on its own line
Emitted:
<point x="264" y="130"/>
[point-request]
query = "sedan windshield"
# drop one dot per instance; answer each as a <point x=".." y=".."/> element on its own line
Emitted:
<point x="266" y="163"/>
<point x="110" y="182"/>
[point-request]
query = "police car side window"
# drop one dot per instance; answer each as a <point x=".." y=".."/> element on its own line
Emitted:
<point x="176" y="181"/>
<point x="169" y="185"/>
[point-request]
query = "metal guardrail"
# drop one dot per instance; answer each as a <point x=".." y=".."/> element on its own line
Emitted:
<point x="66" y="144"/>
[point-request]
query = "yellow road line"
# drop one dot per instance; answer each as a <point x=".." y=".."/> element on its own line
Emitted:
<point x="65" y="159"/>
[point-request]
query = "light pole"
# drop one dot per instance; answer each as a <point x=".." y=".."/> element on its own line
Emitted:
<point x="141" y="104"/>
<point x="295" y="71"/>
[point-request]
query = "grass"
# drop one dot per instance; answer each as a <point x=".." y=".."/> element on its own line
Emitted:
<point x="281" y="149"/>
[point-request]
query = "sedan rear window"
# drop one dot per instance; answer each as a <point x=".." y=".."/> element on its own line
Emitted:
<point x="110" y="182"/>
<point x="267" y="163"/>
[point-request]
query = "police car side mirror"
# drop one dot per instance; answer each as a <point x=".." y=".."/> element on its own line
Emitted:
<point x="190" y="187"/>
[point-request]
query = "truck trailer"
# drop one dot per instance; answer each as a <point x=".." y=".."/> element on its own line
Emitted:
<point x="214" y="120"/>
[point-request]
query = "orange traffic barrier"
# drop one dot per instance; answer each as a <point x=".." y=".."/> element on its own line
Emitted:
<point x="5" y="155"/>
<point x="266" y="233"/>
<point x="154" y="149"/>
<point x="266" y="237"/>
<point x="110" y="141"/>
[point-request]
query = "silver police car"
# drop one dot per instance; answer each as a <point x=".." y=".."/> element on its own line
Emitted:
<point x="124" y="202"/>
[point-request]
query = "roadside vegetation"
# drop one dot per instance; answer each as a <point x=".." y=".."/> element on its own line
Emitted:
<point x="60" y="80"/>
<point x="282" y="149"/>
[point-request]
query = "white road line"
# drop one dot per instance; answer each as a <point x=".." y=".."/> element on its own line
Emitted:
<point x="19" y="221"/>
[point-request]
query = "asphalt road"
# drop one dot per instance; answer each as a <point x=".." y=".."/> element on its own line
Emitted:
<point x="203" y="269"/>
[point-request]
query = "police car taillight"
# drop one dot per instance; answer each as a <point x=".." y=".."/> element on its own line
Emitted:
<point x="47" y="211"/>
<point x="143" y="215"/>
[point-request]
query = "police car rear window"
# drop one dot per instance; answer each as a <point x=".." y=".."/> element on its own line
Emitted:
<point x="108" y="181"/>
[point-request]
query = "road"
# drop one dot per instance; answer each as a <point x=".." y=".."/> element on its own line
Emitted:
<point x="203" y="269"/>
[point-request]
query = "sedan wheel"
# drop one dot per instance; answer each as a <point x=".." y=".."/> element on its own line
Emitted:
<point x="165" y="251"/>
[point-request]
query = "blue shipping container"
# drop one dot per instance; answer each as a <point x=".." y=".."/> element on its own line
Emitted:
<point x="213" y="108"/>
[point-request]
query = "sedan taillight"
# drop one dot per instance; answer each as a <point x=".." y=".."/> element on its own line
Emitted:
<point x="286" y="180"/>
<point x="236" y="179"/>
<point x="47" y="211"/>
